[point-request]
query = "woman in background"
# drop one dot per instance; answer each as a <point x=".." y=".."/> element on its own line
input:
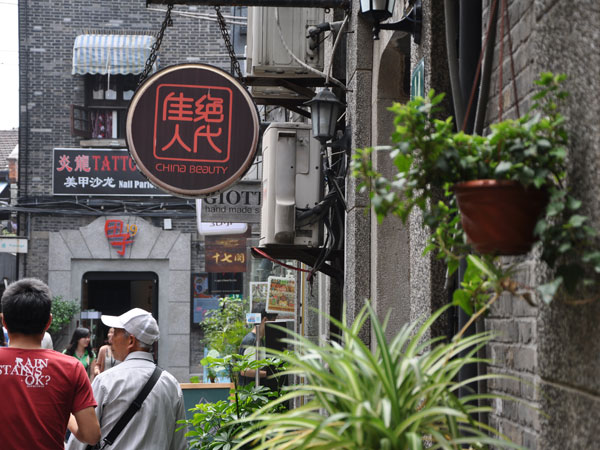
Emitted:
<point x="106" y="359"/>
<point x="80" y="348"/>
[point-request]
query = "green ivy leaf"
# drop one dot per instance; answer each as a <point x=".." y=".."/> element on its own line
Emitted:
<point x="554" y="208"/>
<point x="477" y="263"/>
<point x="565" y="247"/>
<point x="573" y="204"/>
<point x="462" y="298"/>
<point x="577" y="220"/>
<point x="548" y="290"/>
<point x="503" y="167"/>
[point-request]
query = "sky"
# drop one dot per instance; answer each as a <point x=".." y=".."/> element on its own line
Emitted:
<point x="9" y="66"/>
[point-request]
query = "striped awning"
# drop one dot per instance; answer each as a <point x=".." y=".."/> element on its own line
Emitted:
<point x="111" y="53"/>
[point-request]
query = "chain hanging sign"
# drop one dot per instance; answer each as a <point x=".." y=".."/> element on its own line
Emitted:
<point x="192" y="129"/>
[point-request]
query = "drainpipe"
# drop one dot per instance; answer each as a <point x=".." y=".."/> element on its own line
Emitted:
<point x="451" y="18"/>
<point x="486" y="72"/>
<point x="469" y="49"/>
<point x="463" y="22"/>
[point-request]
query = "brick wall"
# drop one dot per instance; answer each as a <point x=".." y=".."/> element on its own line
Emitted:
<point x="554" y="350"/>
<point x="47" y="33"/>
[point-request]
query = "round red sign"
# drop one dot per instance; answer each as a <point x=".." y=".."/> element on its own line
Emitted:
<point x="192" y="129"/>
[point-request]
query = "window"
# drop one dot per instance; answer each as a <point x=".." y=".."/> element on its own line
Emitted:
<point x="111" y="65"/>
<point x="105" y="107"/>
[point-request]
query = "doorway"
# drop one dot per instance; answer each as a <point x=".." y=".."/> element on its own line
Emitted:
<point x="114" y="293"/>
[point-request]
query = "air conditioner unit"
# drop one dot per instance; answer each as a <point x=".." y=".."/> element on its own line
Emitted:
<point x="266" y="53"/>
<point x="291" y="179"/>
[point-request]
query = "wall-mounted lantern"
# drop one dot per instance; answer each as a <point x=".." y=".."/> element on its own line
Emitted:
<point x="376" y="11"/>
<point x="325" y="109"/>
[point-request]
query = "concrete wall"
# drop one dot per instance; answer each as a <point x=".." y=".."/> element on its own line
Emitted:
<point x="384" y="262"/>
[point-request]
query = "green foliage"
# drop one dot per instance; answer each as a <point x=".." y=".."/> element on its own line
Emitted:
<point x="401" y="396"/>
<point x="62" y="313"/>
<point x="214" y="426"/>
<point x="430" y="157"/>
<point x="224" y="328"/>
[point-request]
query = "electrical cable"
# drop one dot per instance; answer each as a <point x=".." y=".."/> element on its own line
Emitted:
<point x="298" y="60"/>
<point x="335" y="43"/>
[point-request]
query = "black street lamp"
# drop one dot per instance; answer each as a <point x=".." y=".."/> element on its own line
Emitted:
<point x="325" y="109"/>
<point x="376" y="11"/>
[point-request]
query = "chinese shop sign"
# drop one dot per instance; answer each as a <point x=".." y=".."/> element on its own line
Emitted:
<point x="281" y="295"/>
<point x="225" y="253"/>
<point x="78" y="171"/>
<point x="120" y="234"/>
<point x="192" y="129"/>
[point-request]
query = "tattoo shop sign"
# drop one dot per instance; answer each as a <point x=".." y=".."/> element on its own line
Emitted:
<point x="192" y="129"/>
<point x="78" y="171"/>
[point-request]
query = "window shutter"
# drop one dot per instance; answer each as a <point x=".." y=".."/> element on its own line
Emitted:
<point x="80" y="122"/>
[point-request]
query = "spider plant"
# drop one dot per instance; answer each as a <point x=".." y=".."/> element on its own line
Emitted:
<point x="402" y="395"/>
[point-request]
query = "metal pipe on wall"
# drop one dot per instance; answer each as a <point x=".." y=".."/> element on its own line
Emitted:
<point x="469" y="49"/>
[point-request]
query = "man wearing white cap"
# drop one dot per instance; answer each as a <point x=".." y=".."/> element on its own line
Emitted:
<point x="154" y="425"/>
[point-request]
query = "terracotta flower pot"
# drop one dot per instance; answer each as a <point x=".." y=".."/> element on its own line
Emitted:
<point x="499" y="216"/>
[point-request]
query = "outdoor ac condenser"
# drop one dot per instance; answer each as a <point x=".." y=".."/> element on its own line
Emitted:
<point x="291" y="179"/>
<point x="266" y="54"/>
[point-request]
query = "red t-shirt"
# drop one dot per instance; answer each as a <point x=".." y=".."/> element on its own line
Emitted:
<point x="39" y="389"/>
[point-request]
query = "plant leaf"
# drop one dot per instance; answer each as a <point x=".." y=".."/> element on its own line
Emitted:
<point x="548" y="290"/>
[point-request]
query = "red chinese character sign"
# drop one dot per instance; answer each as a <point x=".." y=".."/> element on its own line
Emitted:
<point x="119" y="234"/>
<point x="192" y="129"/>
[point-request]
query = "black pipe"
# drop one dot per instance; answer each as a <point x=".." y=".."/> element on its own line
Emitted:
<point x="451" y="18"/>
<point x="469" y="49"/>
<point x="345" y="4"/>
<point x="486" y="72"/>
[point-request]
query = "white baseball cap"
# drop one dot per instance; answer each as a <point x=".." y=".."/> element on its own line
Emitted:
<point x="136" y="322"/>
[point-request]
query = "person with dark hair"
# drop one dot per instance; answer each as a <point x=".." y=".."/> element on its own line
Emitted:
<point x="106" y="358"/>
<point x="248" y="347"/>
<point x="42" y="387"/>
<point x="80" y="347"/>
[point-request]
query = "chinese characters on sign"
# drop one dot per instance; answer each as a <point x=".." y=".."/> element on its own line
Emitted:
<point x="225" y="253"/>
<point x="195" y="126"/>
<point x="98" y="172"/>
<point x="281" y="296"/>
<point x="119" y="234"/>
<point x="192" y="129"/>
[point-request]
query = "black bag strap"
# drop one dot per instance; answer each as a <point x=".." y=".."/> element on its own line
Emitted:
<point x="133" y="408"/>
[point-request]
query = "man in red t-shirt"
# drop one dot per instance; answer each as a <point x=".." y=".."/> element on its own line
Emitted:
<point x="40" y="388"/>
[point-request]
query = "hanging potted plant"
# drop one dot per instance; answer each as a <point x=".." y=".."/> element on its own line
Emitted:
<point x="509" y="186"/>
